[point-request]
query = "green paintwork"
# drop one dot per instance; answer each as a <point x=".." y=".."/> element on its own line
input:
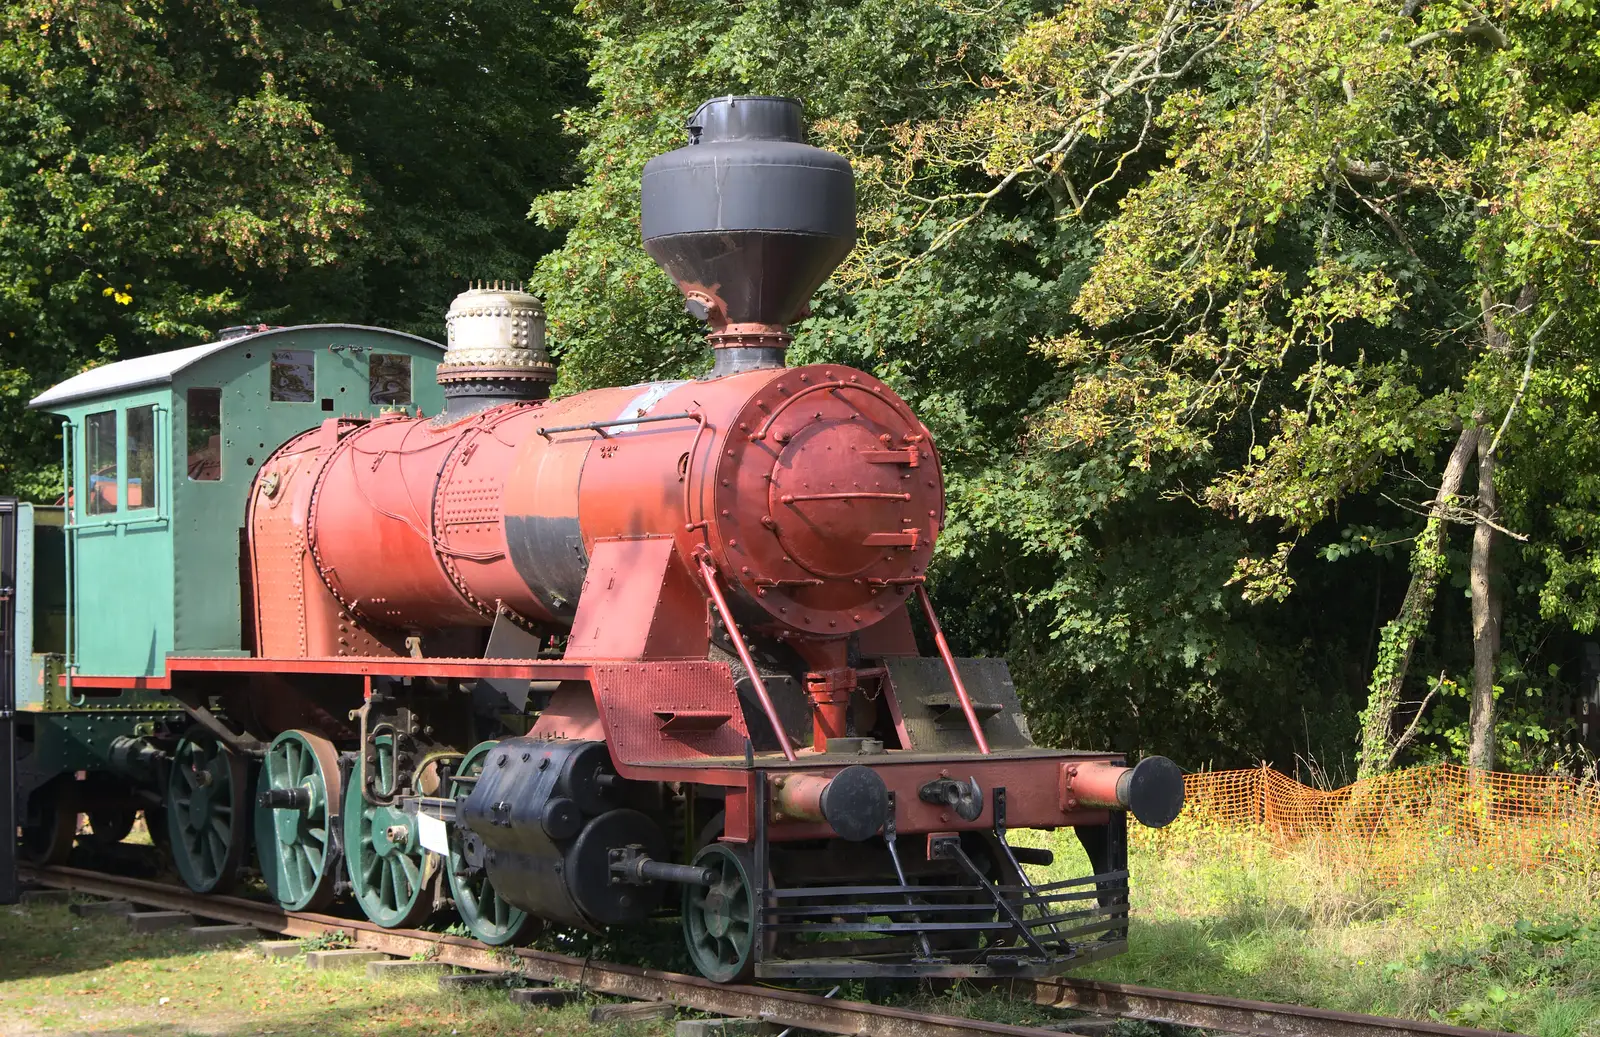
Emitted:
<point x="208" y="813"/>
<point x="491" y="918"/>
<point x="294" y="846"/>
<point x="718" y="922"/>
<point x="80" y="739"/>
<point x="153" y="581"/>
<point x="388" y="875"/>
<point x="65" y="737"/>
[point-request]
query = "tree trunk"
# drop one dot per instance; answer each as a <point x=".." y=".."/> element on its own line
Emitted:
<point x="1399" y="638"/>
<point x="1486" y="608"/>
<point x="1486" y="601"/>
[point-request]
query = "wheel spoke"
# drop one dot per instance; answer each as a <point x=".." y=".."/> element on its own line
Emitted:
<point x="219" y="854"/>
<point x="409" y="871"/>
<point x="394" y="879"/>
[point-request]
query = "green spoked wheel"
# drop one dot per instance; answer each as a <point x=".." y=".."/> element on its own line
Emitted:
<point x="296" y="796"/>
<point x="207" y="812"/>
<point x="719" y="921"/>
<point x="491" y="918"/>
<point x="382" y="852"/>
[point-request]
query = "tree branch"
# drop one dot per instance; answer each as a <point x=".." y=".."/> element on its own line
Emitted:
<point x="1483" y="29"/>
<point x="1411" y="729"/>
<point x="1144" y="68"/>
<point x="1461" y="516"/>
<point x="1527" y="373"/>
<point x="1374" y="172"/>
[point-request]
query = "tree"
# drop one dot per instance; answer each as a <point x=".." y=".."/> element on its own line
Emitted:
<point x="165" y="169"/>
<point x="1325" y="173"/>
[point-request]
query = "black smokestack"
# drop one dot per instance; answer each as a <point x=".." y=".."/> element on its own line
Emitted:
<point x="748" y="220"/>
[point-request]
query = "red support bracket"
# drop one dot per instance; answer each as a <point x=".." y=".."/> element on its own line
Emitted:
<point x="955" y="676"/>
<point x="709" y="572"/>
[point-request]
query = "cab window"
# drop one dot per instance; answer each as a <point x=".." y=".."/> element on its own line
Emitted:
<point x="389" y="378"/>
<point x="293" y="375"/>
<point x="204" y="407"/>
<point x="100" y="467"/>
<point x="141" y="457"/>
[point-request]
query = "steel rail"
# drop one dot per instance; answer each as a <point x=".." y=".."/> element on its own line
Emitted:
<point x="782" y="1007"/>
<point x="1232" y="1014"/>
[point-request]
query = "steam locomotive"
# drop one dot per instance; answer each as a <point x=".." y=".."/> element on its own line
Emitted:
<point x="394" y="620"/>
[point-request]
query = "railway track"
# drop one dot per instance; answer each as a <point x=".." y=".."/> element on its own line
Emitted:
<point x="784" y="1007"/>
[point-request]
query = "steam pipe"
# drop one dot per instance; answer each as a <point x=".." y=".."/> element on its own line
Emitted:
<point x="955" y="676"/>
<point x="709" y="572"/>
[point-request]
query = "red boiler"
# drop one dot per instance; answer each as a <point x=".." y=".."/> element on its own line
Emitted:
<point x="814" y="491"/>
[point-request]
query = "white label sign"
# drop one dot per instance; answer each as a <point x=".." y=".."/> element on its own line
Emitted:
<point x="433" y="833"/>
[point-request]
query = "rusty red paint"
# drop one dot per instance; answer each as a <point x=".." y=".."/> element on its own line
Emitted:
<point x="955" y="674"/>
<point x="709" y="573"/>
<point x="1090" y="784"/>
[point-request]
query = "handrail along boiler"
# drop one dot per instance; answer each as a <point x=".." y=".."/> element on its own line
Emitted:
<point x="737" y="720"/>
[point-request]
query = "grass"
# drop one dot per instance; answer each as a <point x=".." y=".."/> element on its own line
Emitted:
<point x="60" y="974"/>
<point x="1461" y="939"/>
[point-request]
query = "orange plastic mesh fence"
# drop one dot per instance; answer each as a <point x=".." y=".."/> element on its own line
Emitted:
<point x="1391" y="823"/>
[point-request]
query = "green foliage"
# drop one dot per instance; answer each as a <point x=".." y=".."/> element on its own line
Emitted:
<point x="168" y="169"/>
<point x="1322" y="217"/>
<point x="1526" y="732"/>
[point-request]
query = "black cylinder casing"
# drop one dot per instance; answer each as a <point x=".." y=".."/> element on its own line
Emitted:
<point x="748" y="213"/>
<point x="548" y="826"/>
